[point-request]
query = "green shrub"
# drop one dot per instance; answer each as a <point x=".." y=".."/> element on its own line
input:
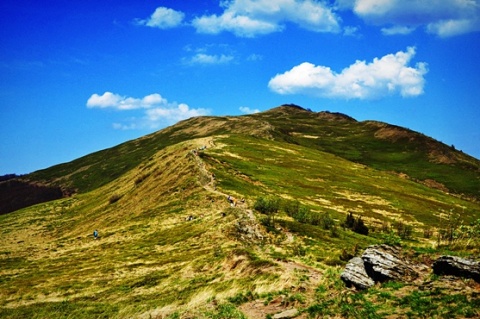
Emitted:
<point x="291" y="208"/>
<point x="268" y="206"/>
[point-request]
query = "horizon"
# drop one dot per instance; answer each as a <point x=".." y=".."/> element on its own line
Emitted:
<point x="82" y="76"/>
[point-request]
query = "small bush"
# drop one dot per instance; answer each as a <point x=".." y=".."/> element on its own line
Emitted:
<point x="391" y="239"/>
<point x="291" y="208"/>
<point x="268" y="206"/>
<point x="326" y="221"/>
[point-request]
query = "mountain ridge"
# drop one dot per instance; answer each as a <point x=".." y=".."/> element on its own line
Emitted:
<point x="372" y="143"/>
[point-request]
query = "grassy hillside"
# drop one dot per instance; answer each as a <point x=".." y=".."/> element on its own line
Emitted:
<point x="171" y="246"/>
<point x="377" y="145"/>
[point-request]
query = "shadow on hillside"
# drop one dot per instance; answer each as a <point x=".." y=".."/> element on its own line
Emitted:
<point x="16" y="194"/>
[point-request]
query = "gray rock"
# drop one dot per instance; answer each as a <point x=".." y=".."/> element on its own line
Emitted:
<point x="291" y="313"/>
<point x="355" y="274"/>
<point x="378" y="263"/>
<point x="383" y="263"/>
<point x="456" y="266"/>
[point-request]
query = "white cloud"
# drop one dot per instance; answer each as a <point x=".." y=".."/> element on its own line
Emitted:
<point x="242" y="26"/>
<point x="249" y="18"/>
<point x="203" y="58"/>
<point x="383" y="77"/>
<point x="441" y="17"/>
<point x="108" y="99"/>
<point x="447" y="28"/>
<point x="115" y="101"/>
<point x="163" y="18"/>
<point x="247" y="110"/>
<point x="156" y="109"/>
<point x="398" y="29"/>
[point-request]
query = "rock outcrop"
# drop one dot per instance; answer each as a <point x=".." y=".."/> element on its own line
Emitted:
<point x="456" y="266"/>
<point x="378" y="263"/>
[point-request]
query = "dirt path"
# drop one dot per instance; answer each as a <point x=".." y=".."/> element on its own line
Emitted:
<point x="209" y="186"/>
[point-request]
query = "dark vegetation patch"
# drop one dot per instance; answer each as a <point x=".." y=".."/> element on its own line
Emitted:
<point x="16" y="194"/>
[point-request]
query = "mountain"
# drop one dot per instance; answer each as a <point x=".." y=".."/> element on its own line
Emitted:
<point x="377" y="145"/>
<point x="171" y="245"/>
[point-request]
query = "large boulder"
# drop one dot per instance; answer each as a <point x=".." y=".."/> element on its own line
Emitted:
<point x="355" y="275"/>
<point x="383" y="263"/>
<point x="456" y="266"/>
<point x="378" y="263"/>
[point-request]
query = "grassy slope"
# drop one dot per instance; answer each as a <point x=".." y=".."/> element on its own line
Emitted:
<point x="150" y="261"/>
<point x="380" y="146"/>
<point x="374" y="144"/>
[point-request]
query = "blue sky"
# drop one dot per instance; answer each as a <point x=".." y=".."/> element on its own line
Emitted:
<point x="81" y="76"/>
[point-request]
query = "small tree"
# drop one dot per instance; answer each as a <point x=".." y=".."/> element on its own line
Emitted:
<point x="360" y="227"/>
<point x="349" y="221"/>
<point x="355" y="224"/>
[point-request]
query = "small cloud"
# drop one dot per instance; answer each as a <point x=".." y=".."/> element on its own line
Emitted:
<point x="255" y="57"/>
<point x="350" y="31"/>
<point x="163" y="18"/>
<point x="156" y="109"/>
<point x="383" y="77"/>
<point x="402" y="30"/>
<point x="247" y="110"/>
<point x="209" y="59"/>
<point x="448" y="28"/>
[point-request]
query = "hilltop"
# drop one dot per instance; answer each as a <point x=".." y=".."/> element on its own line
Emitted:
<point x="172" y="246"/>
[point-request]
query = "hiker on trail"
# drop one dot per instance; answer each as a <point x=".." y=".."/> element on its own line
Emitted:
<point x="95" y="234"/>
<point x="232" y="200"/>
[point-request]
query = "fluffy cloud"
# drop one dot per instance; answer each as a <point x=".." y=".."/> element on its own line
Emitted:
<point x="441" y="17"/>
<point x="156" y="109"/>
<point x="384" y="76"/>
<point x="163" y="18"/>
<point x="249" y="18"/>
<point x="111" y="100"/>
